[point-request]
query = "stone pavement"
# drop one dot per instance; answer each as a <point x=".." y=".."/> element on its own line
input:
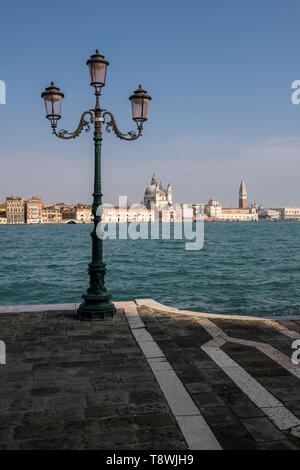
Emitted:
<point x="152" y="378"/>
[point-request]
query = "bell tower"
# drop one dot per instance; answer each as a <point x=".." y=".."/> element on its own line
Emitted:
<point x="243" y="196"/>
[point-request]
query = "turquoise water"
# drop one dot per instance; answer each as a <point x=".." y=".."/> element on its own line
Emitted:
<point x="244" y="268"/>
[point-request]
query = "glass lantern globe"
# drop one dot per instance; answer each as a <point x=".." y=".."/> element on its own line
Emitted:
<point x="52" y="97"/>
<point x="140" y="104"/>
<point x="97" y="67"/>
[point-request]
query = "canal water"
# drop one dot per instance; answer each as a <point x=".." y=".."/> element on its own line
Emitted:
<point x="243" y="268"/>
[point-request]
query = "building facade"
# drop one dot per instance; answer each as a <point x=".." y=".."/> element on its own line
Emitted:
<point x="3" y="219"/>
<point x="68" y="213"/>
<point x="213" y="209"/>
<point x="289" y="213"/>
<point x="135" y="213"/>
<point x="3" y="210"/>
<point x="156" y="196"/>
<point x="34" y="210"/>
<point x="51" y="215"/>
<point x="15" y="210"/>
<point x="174" y="213"/>
<point x="160" y="201"/>
<point x="268" y="214"/>
<point x="83" y="213"/>
<point x="238" y="215"/>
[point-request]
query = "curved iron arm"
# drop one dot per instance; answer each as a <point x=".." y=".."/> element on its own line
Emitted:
<point x="131" y="135"/>
<point x="63" y="134"/>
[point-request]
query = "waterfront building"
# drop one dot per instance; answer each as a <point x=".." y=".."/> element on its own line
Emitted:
<point x="140" y="213"/>
<point x="198" y="212"/>
<point x="172" y="213"/>
<point x="82" y="213"/>
<point x="51" y="215"/>
<point x="3" y="219"/>
<point x="213" y="209"/>
<point x="61" y="206"/>
<point x="157" y="206"/>
<point x="121" y="214"/>
<point x="187" y="212"/>
<point x="268" y="214"/>
<point x="3" y="209"/>
<point x="238" y="215"/>
<point x="242" y="196"/>
<point x="255" y="206"/>
<point x="15" y="210"/>
<point x="288" y="213"/>
<point x="156" y="196"/>
<point x="34" y="210"/>
<point x="160" y="200"/>
<point x="68" y="213"/>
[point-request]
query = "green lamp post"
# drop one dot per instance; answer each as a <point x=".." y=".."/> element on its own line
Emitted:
<point x="96" y="303"/>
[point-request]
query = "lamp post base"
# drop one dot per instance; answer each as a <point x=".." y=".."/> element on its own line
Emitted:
<point x="93" y="308"/>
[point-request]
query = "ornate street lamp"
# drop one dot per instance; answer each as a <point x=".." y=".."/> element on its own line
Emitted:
<point x="96" y="304"/>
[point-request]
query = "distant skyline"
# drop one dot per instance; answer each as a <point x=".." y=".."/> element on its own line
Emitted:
<point x="140" y="200"/>
<point x="220" y="75"/>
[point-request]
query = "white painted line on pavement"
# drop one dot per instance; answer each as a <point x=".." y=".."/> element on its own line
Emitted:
<point x="193" y="426"/>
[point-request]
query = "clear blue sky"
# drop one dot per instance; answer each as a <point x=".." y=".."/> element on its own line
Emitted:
<point x="220" y="74"/>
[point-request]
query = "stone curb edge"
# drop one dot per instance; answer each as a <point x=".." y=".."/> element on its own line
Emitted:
<point x="31" y="308"/>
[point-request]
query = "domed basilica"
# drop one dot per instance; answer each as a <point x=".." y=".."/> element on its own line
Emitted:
<point x="156" y="196"/>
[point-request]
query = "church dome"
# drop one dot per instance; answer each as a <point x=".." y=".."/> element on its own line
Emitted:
<point x="150" y="190"/>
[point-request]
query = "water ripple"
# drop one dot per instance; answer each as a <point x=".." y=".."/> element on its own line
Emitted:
<point x="244" y="268"/>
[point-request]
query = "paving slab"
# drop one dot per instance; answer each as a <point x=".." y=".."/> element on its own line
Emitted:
<point x="242" y="408"/>
<point x="152" y="378"/>
<point x="78" y="386"/>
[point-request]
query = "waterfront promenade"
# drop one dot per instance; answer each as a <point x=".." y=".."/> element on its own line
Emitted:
<point x="154" y="377"/>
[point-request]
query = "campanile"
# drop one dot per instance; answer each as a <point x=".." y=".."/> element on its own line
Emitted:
<point x="243" y="196"/>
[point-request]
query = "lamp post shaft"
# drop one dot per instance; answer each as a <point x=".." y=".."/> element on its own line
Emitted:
<point x="97" y="304"/>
